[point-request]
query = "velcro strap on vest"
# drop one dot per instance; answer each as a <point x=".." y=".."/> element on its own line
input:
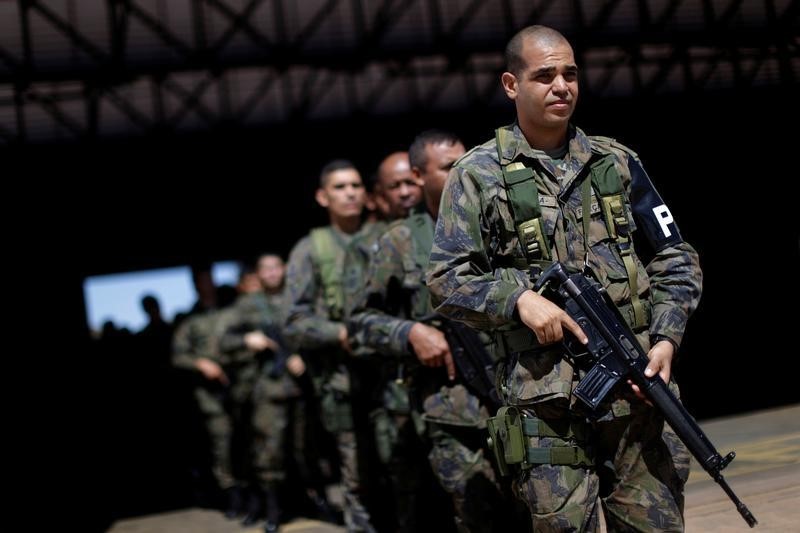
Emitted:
<point x="558" y="455"/>
<point x="614" y="215"/>
<point x="523" y="197"/>
<point x="533" y="238"/>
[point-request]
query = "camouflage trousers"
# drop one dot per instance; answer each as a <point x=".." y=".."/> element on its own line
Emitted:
<point x="481" y="499"/>
<point x="227" y="412"/>
<point x="219" y="428"/>
<point x="277" y="420"/>
<point x="640" y="468"/>
<point x="356" y="515"/>
<point x="337" y="414"/>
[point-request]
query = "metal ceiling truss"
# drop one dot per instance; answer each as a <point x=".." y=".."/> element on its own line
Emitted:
<point x="72" y="70"/>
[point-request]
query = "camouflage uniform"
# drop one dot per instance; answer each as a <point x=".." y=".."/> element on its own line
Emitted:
<point x="478" y="271"/>
<point x="453" y="417"/>
<point x="261" y="402"/>
<point x="317" y="311"/>
<point x="195" y="339"/>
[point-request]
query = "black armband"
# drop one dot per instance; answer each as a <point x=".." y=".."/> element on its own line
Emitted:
<point x="650" y="212"/>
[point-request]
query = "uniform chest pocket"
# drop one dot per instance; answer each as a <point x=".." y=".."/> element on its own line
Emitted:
<point x="521" y="240"/>
<point x="606" y="260"/>
<point x="413" y="274"/>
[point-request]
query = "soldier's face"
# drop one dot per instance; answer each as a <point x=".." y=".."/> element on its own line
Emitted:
<point x="249" y="283"/>
<point x="270" y="271"/>
<point x="440" y="158"/>
<point x="397" y="188"/>
<point x="343" y="194"/>
<point x="546" y="91"/>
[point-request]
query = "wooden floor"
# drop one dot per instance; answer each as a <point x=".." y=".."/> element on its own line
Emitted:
<point x="765" y="475"/>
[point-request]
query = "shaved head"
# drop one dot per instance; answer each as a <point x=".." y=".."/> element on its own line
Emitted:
<point x="542" y="35"/>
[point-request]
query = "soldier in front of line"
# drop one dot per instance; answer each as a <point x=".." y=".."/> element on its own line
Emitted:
<point x="542" y="191"/>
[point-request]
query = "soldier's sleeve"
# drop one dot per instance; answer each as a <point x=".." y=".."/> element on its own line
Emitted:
<point x="374" y="324"/>
<point x="305" y="329"/>
<point x="675" y="276"/>
<point x="231" y="337"/>
<point x="182" y="353"/>
<point x="461" y="280"/>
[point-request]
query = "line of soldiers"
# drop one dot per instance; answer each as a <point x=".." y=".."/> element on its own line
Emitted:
<point x="345" y="348"/>
<point x="352" y="337"/>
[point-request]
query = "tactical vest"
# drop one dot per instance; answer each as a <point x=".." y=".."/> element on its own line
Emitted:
<point x="421" y="227"/>
<point x="525" y="207"/>
<point x="330" y="260"/>
<point x="332" y="257"/>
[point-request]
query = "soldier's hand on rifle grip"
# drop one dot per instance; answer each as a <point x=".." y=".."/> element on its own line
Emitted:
<point x="211" y="370"/>
<point x="546" y="319"/>
<point x="660" y="356"/>
<point x="295" y="365"/>
<point x="256" y="342"/>
<point x="344" y="340"/>
<point x="431" y="348"/>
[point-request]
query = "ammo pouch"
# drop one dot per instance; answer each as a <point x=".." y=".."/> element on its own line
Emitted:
<point x="335" y="410"/>
<point x="386" y="433"/>
<point x="395" y="397"/>
<point x="510" y="436"/>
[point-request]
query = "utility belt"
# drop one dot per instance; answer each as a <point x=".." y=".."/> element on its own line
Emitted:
<point x="335" y="399"/>
<point x="513" y="437"/>
<point x="336" y="411"/>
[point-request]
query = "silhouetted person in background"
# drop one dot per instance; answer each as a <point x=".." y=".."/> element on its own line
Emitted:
<point x="155" y="339"/>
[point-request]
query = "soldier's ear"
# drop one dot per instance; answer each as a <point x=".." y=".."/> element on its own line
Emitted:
<point x="509" y="82"/>
<point x="416" y="175"/>
<point x="322" y="198"/>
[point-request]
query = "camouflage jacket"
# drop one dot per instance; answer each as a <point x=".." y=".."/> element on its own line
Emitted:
<point x="477" y="269"/>
<point x="195" y="338"/>
<point x="395" y="298"/>
<point x="395" y="292"/>
<point x="250" y="312"/>
<point x="309" y="325"/>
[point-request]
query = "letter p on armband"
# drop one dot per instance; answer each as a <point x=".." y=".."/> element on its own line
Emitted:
<point x="664" y="218"/>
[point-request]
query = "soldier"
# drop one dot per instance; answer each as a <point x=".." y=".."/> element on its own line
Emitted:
<point x="541" y="191"/>
<point x="195" y="348"/>
<point x="263" y="395"/>
<point x="396" y="189"/>
<point x="325" y="273"/>
<point x="392" y="323"/>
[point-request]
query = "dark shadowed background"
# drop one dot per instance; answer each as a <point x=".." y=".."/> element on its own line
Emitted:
<point x="146" y="134"/>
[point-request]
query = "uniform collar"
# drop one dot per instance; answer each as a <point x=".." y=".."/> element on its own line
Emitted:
<point x="514" y="144"/>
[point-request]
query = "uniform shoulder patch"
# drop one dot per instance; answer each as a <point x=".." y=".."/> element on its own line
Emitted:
<point x="394" y="223"/>
<point x="604" y="145"/>
<point x="476" y="151"/>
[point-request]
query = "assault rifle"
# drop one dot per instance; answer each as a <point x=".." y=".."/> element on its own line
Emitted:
<point x="474" y="365"/>
<point x="615" y="355"/>
<point x="279" y="356"/>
